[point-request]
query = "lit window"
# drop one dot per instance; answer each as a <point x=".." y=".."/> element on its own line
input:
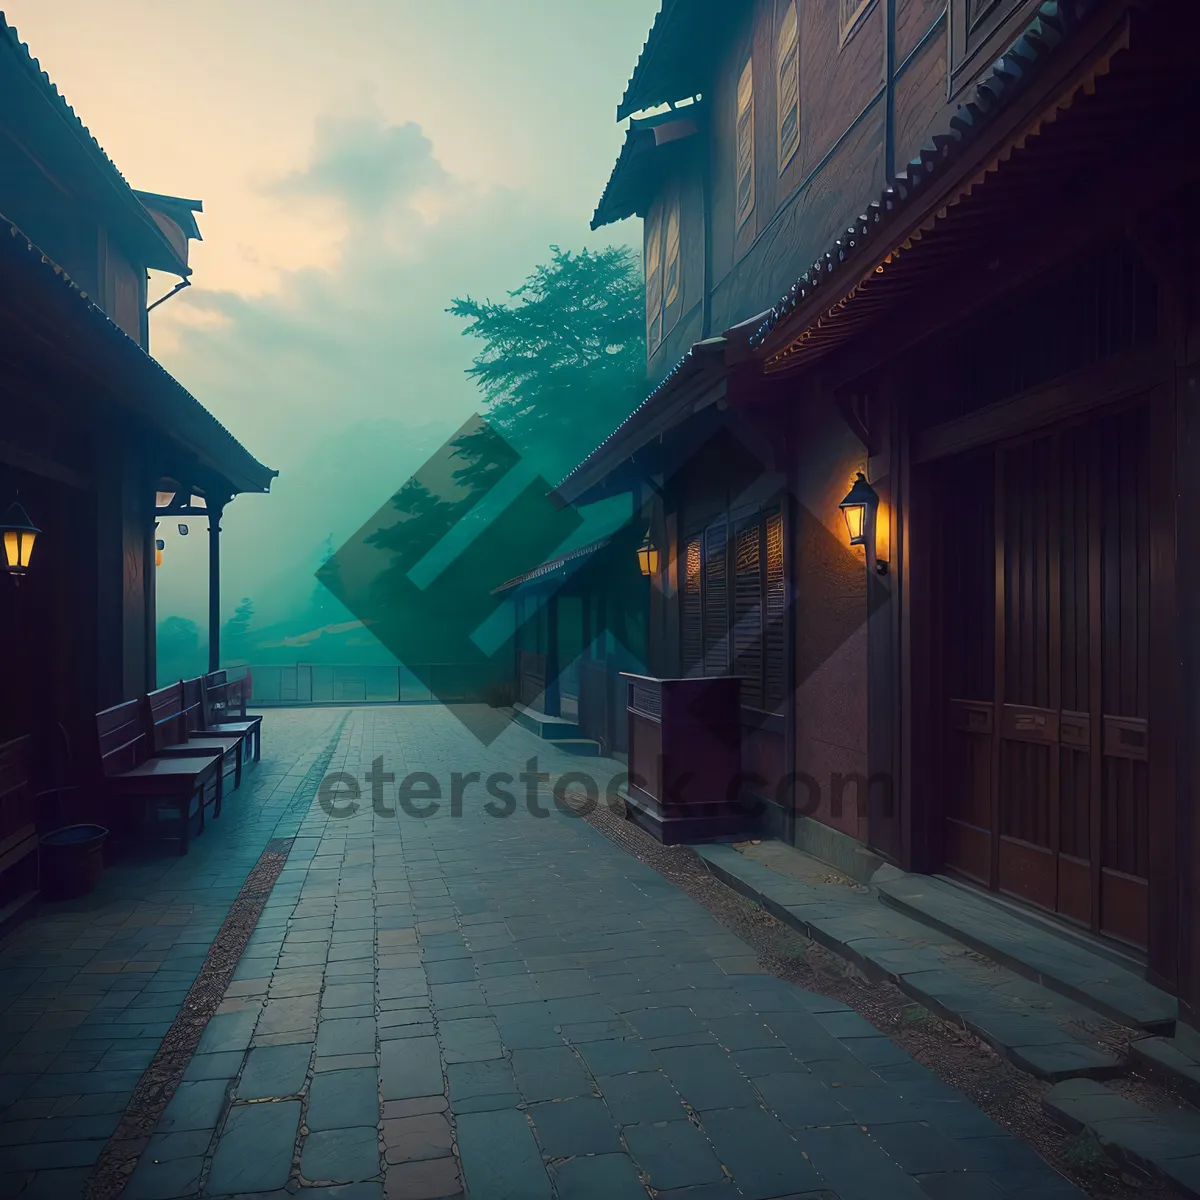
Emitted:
<point x="851" y="11"/>
<point x="654" y="282"/>
<point x="671" y="271"/>
<point x="662" y="268"/>
<point x="745" y="144"/>
<point x="788" y="67"/>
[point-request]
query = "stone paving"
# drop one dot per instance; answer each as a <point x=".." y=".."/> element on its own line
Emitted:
<point x="507" y="1006"/>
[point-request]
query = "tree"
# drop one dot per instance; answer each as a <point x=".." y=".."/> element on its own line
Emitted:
<point x="563" y="362"/>
<point x="180" y="652"/>
<point x="235" y="637"/>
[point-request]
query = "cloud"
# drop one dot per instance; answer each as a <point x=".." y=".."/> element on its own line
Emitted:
<point x="365" y="164"/>
<point x="346" y="377"/>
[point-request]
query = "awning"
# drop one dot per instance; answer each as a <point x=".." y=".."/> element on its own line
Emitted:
<point x="696" y="380"/>
<point x="868" y="268"/>
<point x="552" y="568"/>
<point x="56" y="318"/>
<point x="653" y="146"/>
<point x="687" y="35"/>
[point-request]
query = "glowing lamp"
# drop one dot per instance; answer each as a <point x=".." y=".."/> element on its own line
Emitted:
<point x="159" y="547"/>
<point x="861" y="501"/>
<point x="19" y="534"/>
<point x="648" y="556"/>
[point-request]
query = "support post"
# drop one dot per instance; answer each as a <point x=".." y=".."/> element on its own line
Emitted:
<point x="214" y="585"/>
<point x="553" y="701"/>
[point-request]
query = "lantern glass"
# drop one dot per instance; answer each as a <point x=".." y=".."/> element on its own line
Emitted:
<point x="856" y="515"/>
<point x="648" y="556"/>
<point x="20" y="533"/>
<point x="164" y="499"/>
<point x="861" y="497"/>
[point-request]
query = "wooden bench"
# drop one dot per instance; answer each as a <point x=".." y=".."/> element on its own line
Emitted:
<point x="130" y="772"/>
<point x="202" y="721"/>
<point x="226" y="696"/>
<point x="169" y="737"/>
<point x="18" y="828"/>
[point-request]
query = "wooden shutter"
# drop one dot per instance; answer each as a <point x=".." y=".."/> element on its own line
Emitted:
<point x="787" y="66"/>
<point x="716" y="600"/>
<point x="671" y="271"/>
<point x="745" y="144"/>
<point x="692" y="621"/>
<point x="654" y="282"/>
<point x="747" y="613"/>
<point x="774" y="588"/>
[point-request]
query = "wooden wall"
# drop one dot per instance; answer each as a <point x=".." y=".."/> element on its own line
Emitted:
<point x="684" y="318"/>
<point x="829" y="622"/>
<point x="851" y="123"/>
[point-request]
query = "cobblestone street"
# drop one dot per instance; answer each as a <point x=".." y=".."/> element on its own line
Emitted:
<point x="511" y="1007"/>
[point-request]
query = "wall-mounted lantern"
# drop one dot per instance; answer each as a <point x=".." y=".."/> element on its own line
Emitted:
<point x="19" y="534"/>
<point x="648" y="556"/>
<point x="860" y="508"/>
<point x="159" y="547"/>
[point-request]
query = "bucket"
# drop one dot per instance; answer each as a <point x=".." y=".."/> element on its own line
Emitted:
<point x="72" y="860"/>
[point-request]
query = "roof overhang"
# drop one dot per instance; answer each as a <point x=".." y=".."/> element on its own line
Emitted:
<point x="678" y="53"/>
<point x="698" y="380"/>
<point x="872" y="267"/>
<point x="176" y="217"/>
<point x="54" y="320"/>
<point x="45" y="121"/>
<point x="553" y="569"/>
<point x="653" y="146"/>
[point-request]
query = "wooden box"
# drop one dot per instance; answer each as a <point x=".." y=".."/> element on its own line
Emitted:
<point x="685" y="758"/>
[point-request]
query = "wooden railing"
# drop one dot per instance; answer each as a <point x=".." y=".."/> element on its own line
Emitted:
<point x="276" y="685"/>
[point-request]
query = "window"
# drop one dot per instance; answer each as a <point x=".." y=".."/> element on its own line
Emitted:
<point x="654" y="288"/>
<point x="693" y="618"/>
<point x="852" y="10"/>
<point x="787" y="67"/>
<point x="742" y="633"/>
<point x="662" y="269"/>
<point x="671" y="270"/>
<point x="716" y="600"/>
<point x="745" y="144"/>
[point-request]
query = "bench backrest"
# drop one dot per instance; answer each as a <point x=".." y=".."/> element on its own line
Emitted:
<point x="195" y="704"/>
<point x="166" y="720"/>
<point x="121" y="738"/>
<point x="16" y="794"/>
<point x="225" y="693"/>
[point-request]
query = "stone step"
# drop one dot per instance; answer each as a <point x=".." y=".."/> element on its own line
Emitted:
<point x="1173" y="1059"/>
<point x="1165" y="1145"/>
<point x="584" y="747"/>
<point x="1039" y="1031"/>
<point x="544" y="726"/>
<point x="1043" y="953"/>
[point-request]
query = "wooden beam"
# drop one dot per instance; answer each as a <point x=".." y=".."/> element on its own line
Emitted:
<point x="35" y="464"/>
<point x="1082" y="391"/>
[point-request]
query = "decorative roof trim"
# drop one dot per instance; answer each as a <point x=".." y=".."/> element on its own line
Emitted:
<point x="1009" y="75"/>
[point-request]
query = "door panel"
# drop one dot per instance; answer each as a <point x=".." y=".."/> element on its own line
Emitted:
<point x="1047" y="593"/>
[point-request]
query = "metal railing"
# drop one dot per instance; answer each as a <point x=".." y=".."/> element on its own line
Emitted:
<point x="295" y="684"/>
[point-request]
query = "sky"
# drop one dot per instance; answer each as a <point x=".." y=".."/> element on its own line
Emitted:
<point x="360" y="164"/>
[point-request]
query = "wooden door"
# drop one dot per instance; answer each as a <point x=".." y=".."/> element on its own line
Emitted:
<point x="1046" y="568"/>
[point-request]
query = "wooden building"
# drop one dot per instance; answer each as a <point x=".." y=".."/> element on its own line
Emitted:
<point x="944" y="245"/>
<point x="580" y="623"/>
<point x="94" y="434"/>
